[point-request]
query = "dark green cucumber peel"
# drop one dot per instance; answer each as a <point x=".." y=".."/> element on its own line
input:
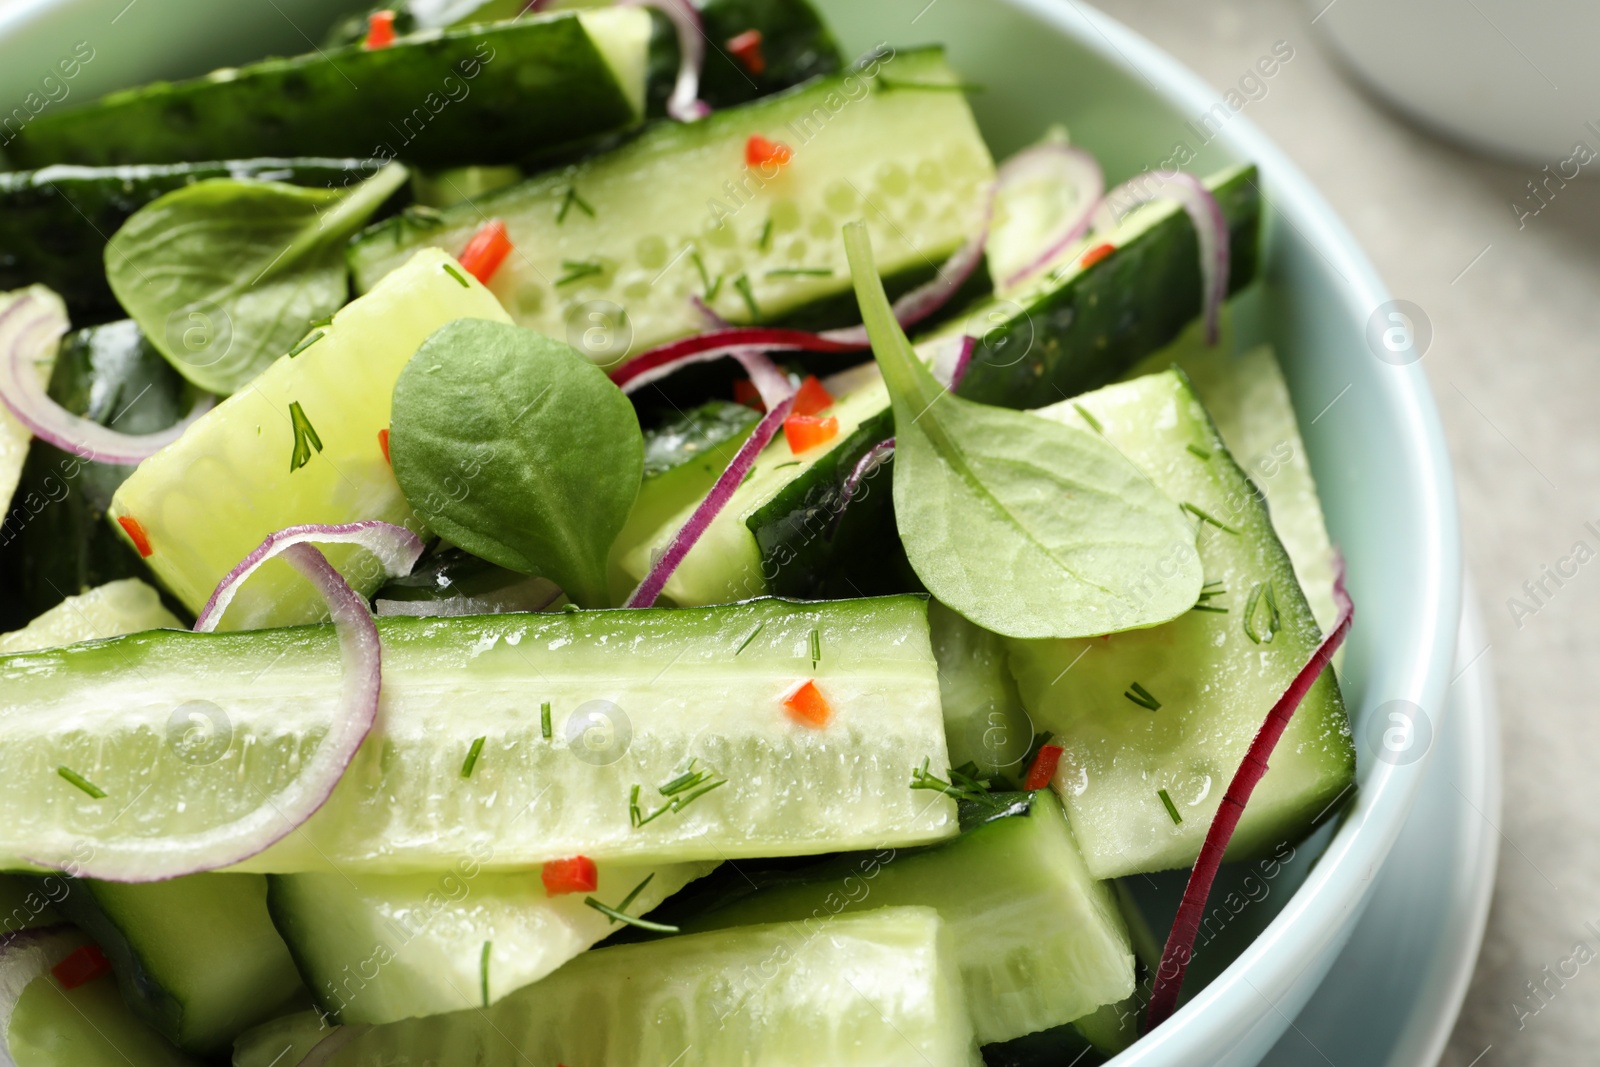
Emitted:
<point x="795" y="44"/>
<point x="686" y="435"/>
<point x="56" y="542"/>
<point x="1079" y="335"/>
<point x="493" y="94"/>
<point x="54" y="223"/>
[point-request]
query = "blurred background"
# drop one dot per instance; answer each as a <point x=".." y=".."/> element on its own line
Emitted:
<point x="1503" y="256"/>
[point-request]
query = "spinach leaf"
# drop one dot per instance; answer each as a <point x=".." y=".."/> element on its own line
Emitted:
<point x="224" y="276"/>
<point x="1027" y="527"/>
<point x="518" y="449"/>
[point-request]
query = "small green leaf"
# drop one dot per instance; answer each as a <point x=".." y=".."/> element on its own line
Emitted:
<point x="1027" y="527"/>
<point x="519" y="450"/>
<point x="224" y="276"/>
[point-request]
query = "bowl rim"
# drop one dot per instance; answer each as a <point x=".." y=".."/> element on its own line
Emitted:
<point x="1322" y="911"/>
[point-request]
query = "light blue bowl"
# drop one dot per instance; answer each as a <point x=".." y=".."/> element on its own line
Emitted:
<point x="1378" y="453"/>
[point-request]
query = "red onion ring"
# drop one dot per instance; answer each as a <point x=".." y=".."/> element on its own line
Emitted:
<point x="684" y="104"/>
<point x="397" y="548"/>
<point x="708" y="509"/>
<point x="1210" y="227"/>
<point x="24" y="956"/>
<point x="1175" y="956"/>
<point x="31" y="326"/>
<point x="1071" y="166"/>
<point x="662" y="361"/>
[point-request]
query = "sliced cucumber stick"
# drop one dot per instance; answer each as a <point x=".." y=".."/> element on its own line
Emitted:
<point x="1038" y="942"/>
<point x="207" y="500"/>
<point x="379" y="948"/>
<point x="1154" y="722"/>
<point x="707" y="685"/>
<point x="984" y="721"/>
<point x="878" y="990"/>
<point x="492" y="94"/>
<point x="679" y="213"/>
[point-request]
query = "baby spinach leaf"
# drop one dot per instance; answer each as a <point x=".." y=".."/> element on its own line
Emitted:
<point x="224" y="276"/>
<point x="1027" y="527"/>
<point x="518" y="449"/>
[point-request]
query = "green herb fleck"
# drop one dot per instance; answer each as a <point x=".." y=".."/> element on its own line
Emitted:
<point x="568" y="200"/>
<point x="1207" y="517"/>
<point x="305" y="437"/>
<point x="742" y="283"/>
<point x="450" y="269"/>
<point x="800" y="272"/>
<point x="964" y="783"/>
<point x="617" y="915"/>
<point x="766" y="235"/>
<point x="746" y="642"/>
<point x="1261" y="593"/>
<point x="1197" y="450"/>
<point x="472" y="757"/>
<point x="684" y="789"/>
<point x="705" y="276"/>
<point x="1172" y="809"/>
<point x="816" y="648"/>
<point x="310" y="340"/>
<point x="483" y="970"/>
<point x="1094" y="423"/>
<point x="578" y="269"/>
<point x="1209" y="592"/>
<point x="791" y="463"/>
<point x="81" y="782"/>
<point x="1141" y="696"/>
<point x="544" y="720"/>
<point x="633" y="894"/>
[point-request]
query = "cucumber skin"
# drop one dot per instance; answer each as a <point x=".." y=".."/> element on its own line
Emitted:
<point x="508" y="76"/>
<point x="54" y="222"/>
<point x="809" y="549"/>
<point x="65" y="545"/>
<point x="795" y="42"/>
<point x="141" y="985"/>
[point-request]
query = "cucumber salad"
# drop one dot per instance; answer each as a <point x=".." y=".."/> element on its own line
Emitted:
<point x="632" y="540"/>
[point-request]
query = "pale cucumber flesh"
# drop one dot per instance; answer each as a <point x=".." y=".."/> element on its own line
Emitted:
<point x="701" y="684"/>
<point x="124" y="606"/>
<point x="89" y="1026"/>
<point x="380" y="948"/>
<point x="1214" y="684"/>
<point x="211" y="497"/>
<point x="878" y="990"/>
<point x="1038" y="942"/>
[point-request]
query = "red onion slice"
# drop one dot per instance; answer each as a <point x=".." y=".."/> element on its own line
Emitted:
<point x="30" y="327"/>
<point x="1186" y="925"/>
<point x="1071" y="166"/>
<point x="396" y="547"/>
<point x="25" y="956"/>
<point x="708" y="509"/>
<point x="1210" y="226"/>
<point x="684" y="104"/>
<point x="662" y="361"/>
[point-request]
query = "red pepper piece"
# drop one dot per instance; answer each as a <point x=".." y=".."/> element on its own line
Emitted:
<point x="809" y="706"/>
<point x="812" y="397"/>
<point x="1095" y="255"/>
<point x="746" y="48"/>
<point x="746" y="393"/>
<point x="380" y="30"/>
<point x="135" y="531"/>
<point x="1044" y="767"/>
<point x="760" y="152"/>
<point x="575" y="875"/>
<point x="486" y="251"/>
<point x="81" y="967"/>
<point x="383" y="443"/>
<point x="807" y="431"/>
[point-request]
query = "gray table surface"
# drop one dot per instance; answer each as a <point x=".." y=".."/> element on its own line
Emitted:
<point x="1516" y="314"/>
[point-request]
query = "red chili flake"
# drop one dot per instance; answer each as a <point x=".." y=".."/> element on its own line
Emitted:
<point x="136" y="534"/>
<point x="760" y="152"/>
<point x="380" y="30"/>
<point x="807" y="431"/>
<point x="812" y="397"/>
<point x="746" y="47"/>
<point x="383" y="443"/>
<point x="746" y="393"/>
<point x="1095" y="255"/>
<point x="575" y="875"/>
<point x="486" y="251"/>
<point x="1044" y="767"/>
<point x="809" y="706"/>
<point x="81" y="967"/>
